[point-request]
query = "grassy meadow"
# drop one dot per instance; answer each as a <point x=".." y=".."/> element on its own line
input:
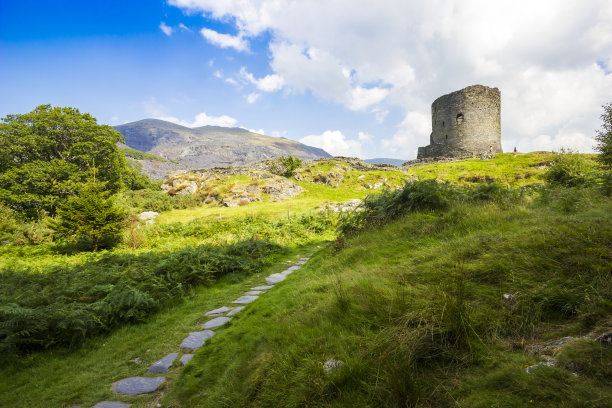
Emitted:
<point x="432" y="295"/>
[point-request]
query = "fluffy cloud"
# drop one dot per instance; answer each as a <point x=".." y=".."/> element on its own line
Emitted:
<point x="225" y="40"/>
<point x="202" y="119"/>
<point x="334" y="143"/>
<point x="269" y="83"/>
<point x="370" y="55"/>
<point x="165" y="29"/>
<point x="252" y="97"/>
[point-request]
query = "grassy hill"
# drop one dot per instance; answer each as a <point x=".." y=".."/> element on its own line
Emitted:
<point x="436" y="295"/>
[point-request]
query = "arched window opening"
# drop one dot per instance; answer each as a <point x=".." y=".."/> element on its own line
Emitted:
<point x="459" y="118"/>
<point x="442" y="123"/>
<point x="446" y="137"/>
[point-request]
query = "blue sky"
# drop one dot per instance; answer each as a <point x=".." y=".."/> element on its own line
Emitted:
<point x="354" y="77"/>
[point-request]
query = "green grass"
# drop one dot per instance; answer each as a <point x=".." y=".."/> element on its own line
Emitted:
<point x="63" y="377"/>
<point x="418" y="318"/>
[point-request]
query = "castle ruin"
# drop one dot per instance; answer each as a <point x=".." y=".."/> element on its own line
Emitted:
<point x="465" y="123"/>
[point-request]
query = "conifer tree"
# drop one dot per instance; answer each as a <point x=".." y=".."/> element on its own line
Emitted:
<point x="91" y="215"/>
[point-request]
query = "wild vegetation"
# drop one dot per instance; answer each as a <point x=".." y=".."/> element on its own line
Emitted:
<point x="435" y="292"/>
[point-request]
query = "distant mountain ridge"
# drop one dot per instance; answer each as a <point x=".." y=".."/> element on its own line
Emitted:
<point x="393" y="162"/>
<point x="210" y="146"/>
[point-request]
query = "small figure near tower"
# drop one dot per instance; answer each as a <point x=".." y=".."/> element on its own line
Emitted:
<point x="465" y="123"/>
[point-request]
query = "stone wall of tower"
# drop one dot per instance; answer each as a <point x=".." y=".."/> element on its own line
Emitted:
<point x="468" y="120"/>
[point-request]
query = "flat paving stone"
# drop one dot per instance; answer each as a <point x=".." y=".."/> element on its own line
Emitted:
<point x="304" y="259"/>
<point x="138" y="385"/>
<point x="294" y="268"/>
<point x="185" y="358"/>
<point x="163" y="365"/>
<point x="275" y="278"/>
<point x="219" y="311"/>
<point x="111" y="404"/>
<point x="196" y="339"/>
<point x="236" y="310"/>
<point x="255" y="292"/>
<point x="216" y="322"/>
<point x="268" y="287"/>
<point x="245" y="299"/>
<point x="286" y="273"/>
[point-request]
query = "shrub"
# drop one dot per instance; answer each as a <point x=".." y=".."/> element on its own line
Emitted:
<point x="604" y="137"/>
<point x="285" y="165"/>
<point x="67" y="304"/>
<point x="8" y="224"/>
<point x="569" y="169"/>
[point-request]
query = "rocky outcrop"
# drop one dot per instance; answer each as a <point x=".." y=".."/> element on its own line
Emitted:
<point x="231" y="187"/>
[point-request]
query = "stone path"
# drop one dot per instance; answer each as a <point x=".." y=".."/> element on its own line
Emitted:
<point x="195" y="340"/>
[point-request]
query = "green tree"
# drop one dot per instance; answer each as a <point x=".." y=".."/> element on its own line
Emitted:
<point x="285" y="165"/>
<point x="46" y="155"/>
<point x="92" y="216"/>
<point x="604" y="138"/>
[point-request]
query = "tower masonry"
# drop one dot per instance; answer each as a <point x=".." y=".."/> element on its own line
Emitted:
<point x="465" y="123"/>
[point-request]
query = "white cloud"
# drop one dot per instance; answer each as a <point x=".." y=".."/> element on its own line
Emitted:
<point x="202" y="119"/>
<point x="258" y="131"/>
<point x="166" y="29"/>
<point x="334" y="143"/>
<point x="252" y="97"/>
<point x="184" y="27"/>
<point x="370" y="55"/>
<point x="364" y="137"/>
<point x="225" y="40"/>
<point x="269" y="83"/>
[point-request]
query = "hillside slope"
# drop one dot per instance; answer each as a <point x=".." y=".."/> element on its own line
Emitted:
<point x="449" y="309"/>
<point x="210" y="146"/>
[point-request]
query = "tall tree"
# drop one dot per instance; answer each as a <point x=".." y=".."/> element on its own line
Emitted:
<point x="46" y="154"/>
<point x="604" y="137"/>
<point x="91" y="215"/>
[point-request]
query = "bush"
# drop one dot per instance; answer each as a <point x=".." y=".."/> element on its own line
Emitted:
<point x="67" y="304"/>
<point x="389" y="205"/>
<point x="8" y="223"/>
<point x="155" y="200"/>
<point x="604" y="138"/>
<point x="570" y="169"/>
<point x="285" y="165"/>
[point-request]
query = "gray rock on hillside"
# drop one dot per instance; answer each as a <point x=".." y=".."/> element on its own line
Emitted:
<point x="216" y="322"/>
<point x="196" y="339"/>
<point x="219" y="311"/>
<point x="236" y="310"/>
<point x="162" y="365"/>
<point x="138" y="385"/>
<point x="112" y="404"/>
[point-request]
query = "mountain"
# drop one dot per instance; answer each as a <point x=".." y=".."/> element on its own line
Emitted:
<point x="393" y="162"/>
<point x="210" y="146"/>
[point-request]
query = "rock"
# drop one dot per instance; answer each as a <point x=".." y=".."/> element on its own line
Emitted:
<point x="549" y="347"/>
<point x="245" y="299"/>
<point x="148" y="215"/>
<point x="111" y="404"/>
<point x="136" y="360"/>
<point x="294" y="268"/>
<point x="547" y="363"/>
<point x="308" y="259"/>
<point x="605" y="339"/>
<point x="268" y="287"/>
<point x="332" y="365"/>
<point x="162" y="365"/>
<point x="150" y="222"/>
<point x="236" y="310"/>
<point x="216" y="322"/>
<point x="138" y="385"/>
<point x="196" y="339"/>
<point x="185" y="358"/>
<point x="275" y="278"/>
<point x="286" y="272"/>
<point x="507" y="297"/>
<point x="219" y="311"/>
<point x="255" y="292"/>
<point x="230" y="204"/>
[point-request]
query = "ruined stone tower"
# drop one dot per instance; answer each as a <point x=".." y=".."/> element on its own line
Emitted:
<point x="465" y="123"/>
